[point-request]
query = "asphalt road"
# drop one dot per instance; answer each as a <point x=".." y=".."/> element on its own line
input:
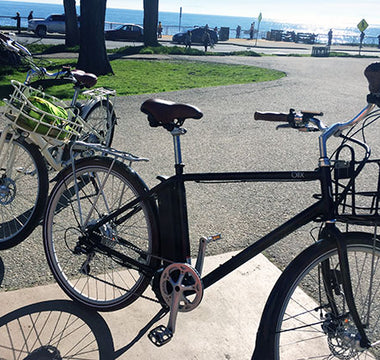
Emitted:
<point x="260" y="45"/>
<point x="239" y="45"/>
<point x="228" y="139"/>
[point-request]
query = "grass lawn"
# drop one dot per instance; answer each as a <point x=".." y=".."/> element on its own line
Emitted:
<point x="151" y="76"/>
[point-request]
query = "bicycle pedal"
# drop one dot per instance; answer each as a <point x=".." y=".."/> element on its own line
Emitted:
<point x="160" y="335"/>
<point x="213" y="238"/>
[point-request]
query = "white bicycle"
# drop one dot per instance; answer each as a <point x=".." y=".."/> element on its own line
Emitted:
<point x="37" y="136"/>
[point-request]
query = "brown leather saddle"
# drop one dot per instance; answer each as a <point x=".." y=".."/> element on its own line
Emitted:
<point x="88" y="80"/>
<point x="169" y="114"/>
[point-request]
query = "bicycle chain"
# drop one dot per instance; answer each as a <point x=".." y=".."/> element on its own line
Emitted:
<point x="140" y="252"/>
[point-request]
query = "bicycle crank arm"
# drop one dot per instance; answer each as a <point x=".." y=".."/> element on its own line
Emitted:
<point x="201" y="254"/>
<point x="161" y="335"/>
<point x="203" y="241"/>
<point x="182" y="289"/>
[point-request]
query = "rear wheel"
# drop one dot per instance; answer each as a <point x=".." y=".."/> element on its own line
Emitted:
<point x="307" y="315"/>
<point x="88" y="266"/>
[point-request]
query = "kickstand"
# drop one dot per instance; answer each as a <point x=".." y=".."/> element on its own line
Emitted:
<point x="163" y="311"/>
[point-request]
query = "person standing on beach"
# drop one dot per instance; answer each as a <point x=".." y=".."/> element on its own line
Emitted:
<point x="206" y="39"/>
<point x="238" y="29"/>
<point x="188" y="39"/>
<point x="329" y="37"/>
<point x="159" y="30"/>
<point x="18" y="21"/>
<point x="251" y="31"/>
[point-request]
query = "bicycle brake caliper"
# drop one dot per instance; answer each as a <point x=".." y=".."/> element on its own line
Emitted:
<point x="182" y="289"/>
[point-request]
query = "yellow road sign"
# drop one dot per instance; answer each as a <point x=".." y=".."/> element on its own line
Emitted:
<point x="362" y="25"/>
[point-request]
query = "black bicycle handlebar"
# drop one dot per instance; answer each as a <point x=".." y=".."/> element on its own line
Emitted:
<point x="271" y="116"/>
<point x="294" y="120"/>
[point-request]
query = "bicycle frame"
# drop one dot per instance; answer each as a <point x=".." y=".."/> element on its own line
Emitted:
<point x="175" y="242"/>
<point x="174" y="250"/>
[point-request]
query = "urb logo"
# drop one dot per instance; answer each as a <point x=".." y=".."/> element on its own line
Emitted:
<point x="298" y="175"/>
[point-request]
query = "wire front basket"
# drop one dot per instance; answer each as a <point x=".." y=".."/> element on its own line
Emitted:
<point x="357" y="196"/>
<point x="356" y="177"/>
<point x="34" y="111"/>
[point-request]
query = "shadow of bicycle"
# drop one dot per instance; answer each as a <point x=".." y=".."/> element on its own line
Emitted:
<point x="54" y="330"/>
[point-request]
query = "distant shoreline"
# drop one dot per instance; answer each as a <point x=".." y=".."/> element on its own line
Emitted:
<point x="173" y="23"/>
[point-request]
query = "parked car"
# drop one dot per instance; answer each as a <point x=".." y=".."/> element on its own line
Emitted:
<point x="196" y="36"/>
<point x="129" y="32"/>
<point x="54" y="23"/>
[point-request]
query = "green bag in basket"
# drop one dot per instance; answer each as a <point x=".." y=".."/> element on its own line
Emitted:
<point x="49" y="108"/>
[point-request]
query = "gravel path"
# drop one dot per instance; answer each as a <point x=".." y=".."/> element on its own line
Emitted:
<point x="227" y="139"/>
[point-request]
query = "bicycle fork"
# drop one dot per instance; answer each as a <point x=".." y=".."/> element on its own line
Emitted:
<point x="333" y="233"/>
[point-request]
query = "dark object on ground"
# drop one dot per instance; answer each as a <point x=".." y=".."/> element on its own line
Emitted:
<point x="129" y="32"/>
<point x="291" y="36"/>
<point x="196" y="36"/>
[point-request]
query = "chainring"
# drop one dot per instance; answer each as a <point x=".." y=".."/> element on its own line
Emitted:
<point x="182" y="278"/>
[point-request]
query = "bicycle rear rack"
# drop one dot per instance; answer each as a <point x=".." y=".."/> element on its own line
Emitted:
<point x="90" y="149"/>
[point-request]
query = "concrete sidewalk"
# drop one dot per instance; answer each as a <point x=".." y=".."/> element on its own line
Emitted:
<point x="222" y="327"/>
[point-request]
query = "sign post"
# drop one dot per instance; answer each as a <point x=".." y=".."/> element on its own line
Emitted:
<point x="362" y="26"/>
<point x="258" y="26"/>
<point x="180" y="18"/>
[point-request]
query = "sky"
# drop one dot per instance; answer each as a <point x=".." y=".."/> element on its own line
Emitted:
<point x="318" y="12"/>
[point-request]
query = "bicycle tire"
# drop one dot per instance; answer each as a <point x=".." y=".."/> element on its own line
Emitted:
<point x="23" y="191"/>
<point x="299" y="321"/>
<point x="90" y="276"/>
<point x="56" y="329"/>
<point x="102" y="118"/>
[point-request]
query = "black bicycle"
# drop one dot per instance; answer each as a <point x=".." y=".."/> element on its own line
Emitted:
<point x="107" y="237"/>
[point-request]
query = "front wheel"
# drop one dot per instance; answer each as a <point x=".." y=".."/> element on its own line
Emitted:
<point x="23" y="190"/>
<point x="101" y="118"/>
<point x="91" y="267"/>
<point x="307" y="317"/>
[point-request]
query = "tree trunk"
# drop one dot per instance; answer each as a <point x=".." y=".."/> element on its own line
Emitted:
<point x="93" y="53"/>
<point x="72" y="29"/>
<point x="150" y="22"/>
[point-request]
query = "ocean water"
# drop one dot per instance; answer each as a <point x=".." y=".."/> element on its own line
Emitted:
<point x="173" y="23"/>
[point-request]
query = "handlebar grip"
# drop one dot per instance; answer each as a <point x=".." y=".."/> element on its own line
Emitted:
<point x="271" y="116"/>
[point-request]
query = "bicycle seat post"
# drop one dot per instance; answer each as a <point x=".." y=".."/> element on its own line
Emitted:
<point x="176" y="133"/>
<point x="77" y="90"/>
